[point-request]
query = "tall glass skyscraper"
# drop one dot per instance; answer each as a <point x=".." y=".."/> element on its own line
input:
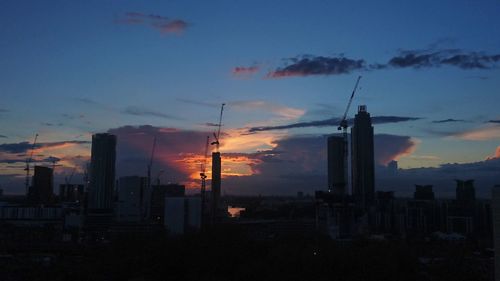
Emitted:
<point x="102" y="172"/>
<point x="362" y="159"/>
<point x="337" y="166"/>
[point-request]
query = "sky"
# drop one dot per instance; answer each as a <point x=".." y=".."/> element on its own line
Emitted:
<point x="285" y="69"/>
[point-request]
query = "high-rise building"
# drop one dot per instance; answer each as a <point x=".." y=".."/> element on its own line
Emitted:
<point x="465" y="191"/>
<point x="133" y="203"/>
<point x="362" y="159"/>
<point x="423" y="192"/>
<point x="158" y="195"/>
<point x="496" y="228"/>
<point x="71" y="193"/>
<point x="102" y="172"/>
<point x="216" y="181"/>
<point x="337" y="166"/>
<point x="41" y="191"/>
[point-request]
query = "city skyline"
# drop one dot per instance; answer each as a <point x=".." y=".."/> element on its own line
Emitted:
<point x="137" y="71"/>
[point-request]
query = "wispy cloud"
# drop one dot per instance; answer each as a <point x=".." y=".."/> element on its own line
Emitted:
<point x="198" y="102"/>
<point x="494" y="121"/>
<point x="139" y="111"/>
<point x="245" y="71"/>
<point x="3" y="110"/>
<point x="450" y="120"/>
<point x="23" y="147"/>
<point x="161" y="23"/>
<point x="480" y="134"/>
<point x="282" y="111"/>
<point x="332" y="122"/>
<point x="2" y="136"/>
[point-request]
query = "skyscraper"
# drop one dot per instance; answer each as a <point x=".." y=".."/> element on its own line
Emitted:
<point x="337" y="166"/>
<point x="495" y="202"/>
<point x="216" y="181"/>
<point x="465" y="191"/>
<point x="41" y="192"/>
<point x="362" y="159"/>
<point x="102" y="172"/>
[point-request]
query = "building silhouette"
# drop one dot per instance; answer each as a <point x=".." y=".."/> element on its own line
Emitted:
<point x="337" y="166"/>
<point x="496" y="228"/>
<point x="362" y="159"/>
<point x="41" y="191"/>
<point x="465" y="191"/>
<point x="132" y="204"/>
<point x="158" y="195"/>
<point x="102" y="172"/>
<point x="423" y="192"/>
<point x="216" y="181"/>
<point x="71" y="193"/>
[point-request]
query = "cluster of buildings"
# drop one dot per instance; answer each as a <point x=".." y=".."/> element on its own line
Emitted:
<point x="364" y="211"/>
<point x="103" y="206"/>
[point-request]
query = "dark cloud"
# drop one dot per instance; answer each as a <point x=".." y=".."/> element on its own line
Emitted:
<point x="332" y="122"/>
<point x="317" y="65"/>
<point x="494" y="121"/>
<point x="138" y="111"/>
<point x="23" y="147"/>
<point x="3" y="110"/>
<point x="448" y="121"/>
<point x="437" y="58"/>
<point x="161" y="23"/>
<point x="300" y="164"/>
<point x="2" y="136"/>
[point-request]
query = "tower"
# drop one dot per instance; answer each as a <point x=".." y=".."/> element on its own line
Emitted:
<point x="337" y="168"/>
<point x="102" y="172"/>
<point x="495" y="204"/>
<point x="216" y="181"/>
<point x="362" y="159"/>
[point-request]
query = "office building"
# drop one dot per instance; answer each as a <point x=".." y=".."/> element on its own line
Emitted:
<point x="102" y="172"/>
<point x="71" y="193"/>
<point x="423" y="192"/>
<point x="158" y="195"/>
<point x="41" y="191"/>
<point x="362" y="159"/>
<point x="337" y="166"/>
<point x="216" y="182"/>
<point x="465" y="191"/>
<point x="133" y="203"/>
<point x="496" y="228"/>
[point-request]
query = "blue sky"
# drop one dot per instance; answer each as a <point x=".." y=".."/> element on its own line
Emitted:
<point x="72" y="68"/>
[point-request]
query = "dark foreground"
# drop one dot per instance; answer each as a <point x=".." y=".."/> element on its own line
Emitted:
<point x="227" y="253"/>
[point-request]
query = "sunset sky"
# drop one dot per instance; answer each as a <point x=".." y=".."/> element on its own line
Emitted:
<point x="285" y="69"/>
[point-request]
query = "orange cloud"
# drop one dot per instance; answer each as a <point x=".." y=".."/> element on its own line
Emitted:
<point x="481" y="134"/>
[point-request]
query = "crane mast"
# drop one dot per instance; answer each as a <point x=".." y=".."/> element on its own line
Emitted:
<point x="343" y="126"/>
<point x="216" y="136"/>
<point x="28" y="162"/>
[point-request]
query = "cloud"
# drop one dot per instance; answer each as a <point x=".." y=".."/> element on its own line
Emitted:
<point x="2" y="136"/>
<point x="23" y="147"/>
<point x="161" y="23"/>
<point x="392" y="147"/>
<point x="317" y="65"/>
<point x="245" y="71"/>
<point x="479" y="134"/>
<point x="449" y="120"/>
<point x="139" y="111"/>
<point x="86" y="101"/>
<point x="494" y="121"/>
<point x="332" y="122"/>
<point x="285" y="112"/>
<point x="496" y="155"/>
<point x="3" y="110"/>
<point x="436" y="58"/>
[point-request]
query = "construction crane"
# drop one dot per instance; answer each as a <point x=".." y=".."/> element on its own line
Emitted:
<point x="146" y="194"/>
<point x="216" y="136"/>
<point x="203" y="175"/>
<point x="28" y="162"/>
<point x="344" y="124"/>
